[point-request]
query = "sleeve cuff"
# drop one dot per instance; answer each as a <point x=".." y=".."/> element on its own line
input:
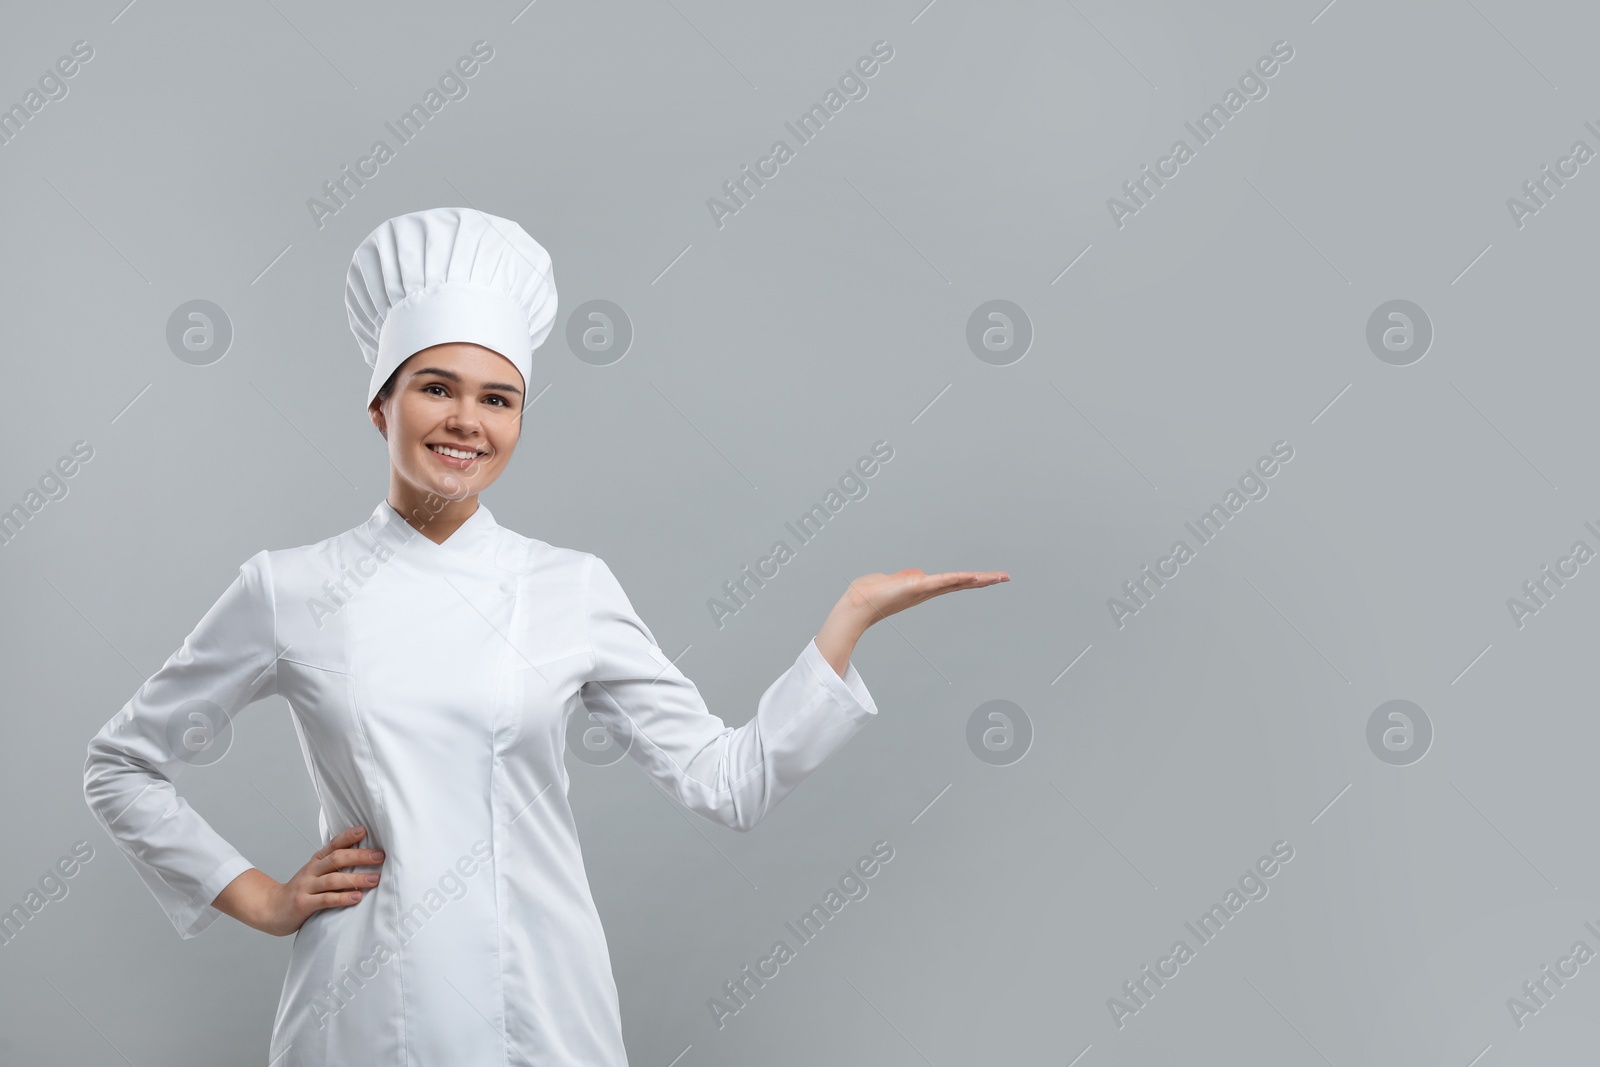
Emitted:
<point x="200" y="914"/>
<point x="849" y="692"/>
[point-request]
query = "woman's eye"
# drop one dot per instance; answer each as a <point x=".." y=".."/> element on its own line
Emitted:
<point x="433" y="385"/>
<point x="500" y="399"/>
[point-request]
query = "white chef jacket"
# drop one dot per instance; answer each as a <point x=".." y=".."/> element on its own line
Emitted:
<point x="431" y="687"/>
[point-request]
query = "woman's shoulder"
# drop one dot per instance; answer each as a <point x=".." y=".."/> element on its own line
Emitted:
<point x="353" y="550"/>
<point x="339" y="547"/>
<point x="531" y="557"/>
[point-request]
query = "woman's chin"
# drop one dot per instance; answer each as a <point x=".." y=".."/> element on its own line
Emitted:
<point x="452" y="486"/>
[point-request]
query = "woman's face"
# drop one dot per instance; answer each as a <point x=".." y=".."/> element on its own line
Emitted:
<point x="458" y="396"/>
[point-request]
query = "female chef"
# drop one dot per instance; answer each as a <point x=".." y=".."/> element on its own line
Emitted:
<point x="433" y="662"/>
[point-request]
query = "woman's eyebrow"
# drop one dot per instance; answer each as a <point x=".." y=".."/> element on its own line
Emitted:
<point x="454" y="377"/>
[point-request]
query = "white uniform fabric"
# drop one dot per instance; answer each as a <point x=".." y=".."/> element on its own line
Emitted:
<point x="431" y="687"/>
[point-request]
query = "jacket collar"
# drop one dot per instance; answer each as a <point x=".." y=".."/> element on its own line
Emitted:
<point x="477" y="532"/>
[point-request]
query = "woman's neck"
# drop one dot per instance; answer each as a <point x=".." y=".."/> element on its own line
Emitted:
<point x="430" y="514"/>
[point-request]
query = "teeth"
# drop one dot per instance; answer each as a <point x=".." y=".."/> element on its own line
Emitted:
<point x="454" y="453"/>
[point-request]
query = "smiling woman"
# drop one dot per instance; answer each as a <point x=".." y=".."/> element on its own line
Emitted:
<point x="451" y="421"/>
<point x="433" y="703"/>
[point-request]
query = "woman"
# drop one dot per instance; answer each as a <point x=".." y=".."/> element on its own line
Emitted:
<point x="433" y="662"/>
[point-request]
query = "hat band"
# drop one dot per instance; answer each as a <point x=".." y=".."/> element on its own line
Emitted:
<point x="452" y="312"/>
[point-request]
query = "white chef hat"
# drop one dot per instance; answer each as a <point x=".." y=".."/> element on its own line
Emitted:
<point x="448" y="274"/>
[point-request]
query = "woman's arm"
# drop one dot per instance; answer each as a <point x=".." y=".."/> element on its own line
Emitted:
<point x="245" y="898"/>
<point x="279" y="908"/>
<point x="736" y="775"/>
<point x="226" y="662"/>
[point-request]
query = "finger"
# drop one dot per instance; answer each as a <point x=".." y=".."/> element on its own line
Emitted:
<point x="352" y="857"/>
<point x="342" y="840"/>
<point x="954" y="580"/>
<point x="974" y="577"/>
<point x="317" y="901"/>
<point x="947" y="580"/>
<point x="965" y="575"/>
<point x="343" y="881"/>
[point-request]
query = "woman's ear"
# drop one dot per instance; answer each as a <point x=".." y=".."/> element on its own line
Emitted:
<point x="375" y="413"/>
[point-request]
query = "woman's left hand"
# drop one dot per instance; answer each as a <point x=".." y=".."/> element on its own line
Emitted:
<point x="876" y="596"/>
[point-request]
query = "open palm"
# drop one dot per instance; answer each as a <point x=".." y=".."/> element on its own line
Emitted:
<point x="881" y="595"/>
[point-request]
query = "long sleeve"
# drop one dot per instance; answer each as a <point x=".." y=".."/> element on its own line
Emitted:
<point x="228" y="661"/>
<point x="731" y="775"/>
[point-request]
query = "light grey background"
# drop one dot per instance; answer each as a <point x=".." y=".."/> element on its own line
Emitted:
<point x="829" y="313"/>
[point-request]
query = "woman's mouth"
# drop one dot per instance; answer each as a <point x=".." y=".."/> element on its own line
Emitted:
<point x="458" y="458"/>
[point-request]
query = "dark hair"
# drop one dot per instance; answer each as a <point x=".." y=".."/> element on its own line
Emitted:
<point x="387" y="387"/>
<point x="384" y="392"/>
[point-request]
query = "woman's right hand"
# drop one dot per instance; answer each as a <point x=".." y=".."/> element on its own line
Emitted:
<point x="279" y="908"/>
